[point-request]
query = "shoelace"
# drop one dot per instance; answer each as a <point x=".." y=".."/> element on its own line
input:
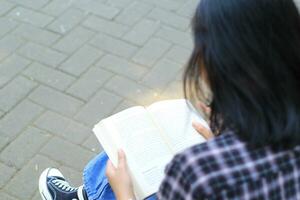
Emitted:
<point x="63" y="185"/>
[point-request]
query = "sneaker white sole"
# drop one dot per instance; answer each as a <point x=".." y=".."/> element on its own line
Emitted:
<point x="43" y="185"/>
<point x="80" y="193"/>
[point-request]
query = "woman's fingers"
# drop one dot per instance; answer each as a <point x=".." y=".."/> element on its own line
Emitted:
<point x="121" y="159"/>
<point x="110" y="168"/>
<point x="205" y="132"/>
<point x="119" y="178"/>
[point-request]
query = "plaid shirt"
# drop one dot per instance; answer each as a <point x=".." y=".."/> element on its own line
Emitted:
<point x="227" y="168"/>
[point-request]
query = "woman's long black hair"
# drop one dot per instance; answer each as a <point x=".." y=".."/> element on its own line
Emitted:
<point x="249" y="52"/>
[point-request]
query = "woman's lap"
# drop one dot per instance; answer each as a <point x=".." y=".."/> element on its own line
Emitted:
<point x="95" y="181"/>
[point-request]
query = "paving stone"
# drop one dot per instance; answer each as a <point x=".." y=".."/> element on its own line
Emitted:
<point x="10" y="67"/>
<point x="36" y="4"/>
<point x="151" y="51"/>
<point x="55" y="100"/>
<point x="8" y="45"/>
<point x="114" y="46"/>
<point x="63" y="127"/>
<point x="189" y="8"/>
<point x="82" y="3"/>
<point x="6" y="173"/>
<point x="142" y="31"/>
<point x="98" y="107"/>
<point x="3" y="142"/>
<point x="36" y="34"/>
<point x="75" y="39"/>
<point x="81" y="60"/>
<point x="108" y="57"/>
<point x="131" y="90"/>
<point x="25" y="183"/>
<point x="24" y="147"/>
<point x="66" y="21"/>
<point x="30" y="16"/>
<point x="173" y="91"/>
<point x="179" y="54"/>
<point x="99" y="8"/>
<point x="18" y="118"/>
<point x="76" y="132"/>
<point x="93" y="144"/>
<point x="37" y="196"/>
<point x="14" y="92"/>
<point x="180" y="75"/>
<point x="125" y="105"/>
<point x="154" y="78"/>
<point x="133" y="13"/>
<point x="42" y="54"/>
<point x="89" y="83"/>
<point x="170" y="5"/>
<point x="71" y="155"/>
<point x="48" y="76"/>
<point x="177" y="37"/>
<point x="56" y="7"/>
<point x="6" y="25"/>
<point x="5" y="6"/>
<point x="105" y="26"/>
<point x="118" y="3"/>
<point x="122" y="67"/>
<point x="5" y="196"/>
<point x="74" y="177"/>
<point x="170" y="18"/>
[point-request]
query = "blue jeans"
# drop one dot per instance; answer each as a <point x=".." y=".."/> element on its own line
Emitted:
<point x="96" y="183"/>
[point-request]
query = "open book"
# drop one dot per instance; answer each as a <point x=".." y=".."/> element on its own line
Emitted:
<point x="150" y="137"/>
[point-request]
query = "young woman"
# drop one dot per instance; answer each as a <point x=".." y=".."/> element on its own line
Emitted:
<point x="247" y="52"/>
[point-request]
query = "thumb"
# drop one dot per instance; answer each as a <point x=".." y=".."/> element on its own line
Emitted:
<point x="109" y="168"/>
<point x="121" y="158"/>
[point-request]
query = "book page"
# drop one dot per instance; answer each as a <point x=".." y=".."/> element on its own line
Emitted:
<point x="107" y="141"/>
<point x="175" y="118"/>
<point x="147" y="153"/>
<point x="108" y="137"/>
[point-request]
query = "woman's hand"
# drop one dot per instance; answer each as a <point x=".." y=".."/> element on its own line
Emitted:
<point x="202" y="130"/>
<point x="119" y="178"/>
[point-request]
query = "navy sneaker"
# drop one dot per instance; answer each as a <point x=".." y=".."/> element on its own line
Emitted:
<point x="53" y="186"/>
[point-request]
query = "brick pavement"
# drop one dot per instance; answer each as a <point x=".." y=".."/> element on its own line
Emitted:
<point x="64" y="65"/>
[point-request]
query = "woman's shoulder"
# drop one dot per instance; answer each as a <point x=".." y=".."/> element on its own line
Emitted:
<point x="204" y="164"/>
<point x="225" y="162"/>
<point x="211" y="149"/>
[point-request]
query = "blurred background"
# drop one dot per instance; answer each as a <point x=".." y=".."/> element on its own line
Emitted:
<point x="67" y="64"/>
